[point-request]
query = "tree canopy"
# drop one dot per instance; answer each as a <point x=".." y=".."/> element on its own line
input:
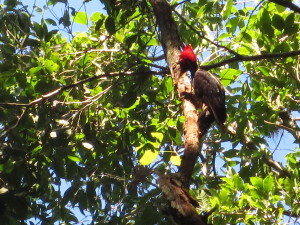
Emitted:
<point x="92" y="122"/>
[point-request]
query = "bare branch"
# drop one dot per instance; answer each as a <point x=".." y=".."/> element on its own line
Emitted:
<point x="240" y="58"/>
<point x="289" y="213"/>
<point x="266" y="159"/>
<point x="290" y="129"/>
<point x="276" y="166"/>
<point x="4" y="131"/>
<point x="63" y="88"/>
<point x="288" y="4"/>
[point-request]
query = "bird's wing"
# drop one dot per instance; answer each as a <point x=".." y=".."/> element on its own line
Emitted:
<point x="210" y="90"/>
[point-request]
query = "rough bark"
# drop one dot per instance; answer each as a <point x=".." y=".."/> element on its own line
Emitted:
<point x="171" y="43"/>
<point x="181" y="205"/>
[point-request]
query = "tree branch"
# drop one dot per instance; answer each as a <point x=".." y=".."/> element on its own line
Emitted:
<point x="292" y="131"/>
<point x="266" y="159"/>
<point x="63" y="88"/>
<point x="239" y="58"/>
<point x="290" y="214"/>
<point x="288" y="4"/>
<point x="203" y="37"/>
<point x="180" y="205"/>
<point x="171" y="43"/>
<point x="276" y="166"/>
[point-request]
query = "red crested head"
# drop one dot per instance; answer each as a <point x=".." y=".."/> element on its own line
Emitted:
<point x="188" y="54"/>
<point x="188" y="60"/>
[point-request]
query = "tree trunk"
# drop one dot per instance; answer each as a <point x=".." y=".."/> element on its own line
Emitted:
<point x="181" y="205"/>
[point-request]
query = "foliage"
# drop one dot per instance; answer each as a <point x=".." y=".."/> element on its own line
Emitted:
<point x="88" y="118"/>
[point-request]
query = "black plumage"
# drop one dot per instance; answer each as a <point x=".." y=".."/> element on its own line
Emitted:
<point x="209" y="89"/>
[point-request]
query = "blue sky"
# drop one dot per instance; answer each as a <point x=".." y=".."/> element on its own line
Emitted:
<point x="58" y="11"/>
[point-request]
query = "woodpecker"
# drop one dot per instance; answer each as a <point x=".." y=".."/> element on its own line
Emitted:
<point x="207" y="88"/>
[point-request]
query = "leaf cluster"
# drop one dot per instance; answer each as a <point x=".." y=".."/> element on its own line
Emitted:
<point x="86" y="125"/>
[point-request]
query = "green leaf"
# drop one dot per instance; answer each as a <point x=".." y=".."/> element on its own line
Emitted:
<point x="74" y="158"/>
<point x="247" y="37"/>
<point x="238" y="182"/>
<point x="280" y="8"/>
<point x="224" y="36"/>
<point x="11" y="3"/>
<point x="8" y="49"/>
<point x="268" y="184"/>
<point x="21" y="79"/>
<point x="265" y="70"/>
<point x="290" y="26"/>
<point x="131" y="39"/>
<point x="257" y="182"/>
<point x="176" y="160"/>
<point x="51" y="66"/>
<point x="34" y="70"/>
<point x="231" y="153"/>
<point x="232" y="24"/>
<point x="278" y="22"/>
<point x="110" y="25"/>
<point x="228" y="8"/>
<point x="148" y="157"/>
<point x="168" y="86"/>
<point x="266" y="22"/>
<point x="38" y="30"/>
<point x="7" y="167"/>
<point x="224" y="196"/>
<point x="96" y="16"/>
<point x="51" y="22"/>
<point x="244" y="50"/>
<point x="229" y="75"/>
<point x="159" y="136"/>
<point x="65" y="19"/>
<point x="81" y="18"/>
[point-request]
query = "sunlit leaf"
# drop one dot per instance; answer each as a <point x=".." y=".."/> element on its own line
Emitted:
<point x="229" y="75"/>
<point x="3" y="190"/>
<point x="228" y="8"/>
<point x="51" y="66"/>
<point x="264" y="70"/>
<point x="268" y="184"/>
<point x="176" y="160"/>
<point x="159" y="136"/>
<point x="81" y="18"/>
<point x="74" y="158"/>
<point x="148" y="157"/>
<point x="257" y="182"/>
<point x="96" y="16"/>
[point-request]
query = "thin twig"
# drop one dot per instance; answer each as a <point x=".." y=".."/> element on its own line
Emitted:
<point x="63" y="88"/>
<point x="291" y="130"/>
<point x="5" y="131"/>
<point x="202" y="36"/>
